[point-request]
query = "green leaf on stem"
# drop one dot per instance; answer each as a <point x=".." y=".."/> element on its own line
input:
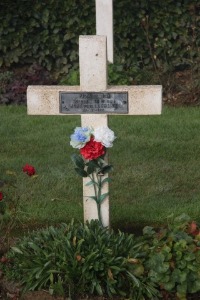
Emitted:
<point x="101" y="162"/>
<point x="105" y="169"/>
<point x="102" y="197"/>
<point x="81" y="172"/>
<point x="91" y="183"/>
<point x="107" y="179"/>
<point x="17" y="250"/>
<point x="78" y="161"/>
<point x="93" y="198"/>
<point x="99" y="289"/>
<point x="91" y="166"/>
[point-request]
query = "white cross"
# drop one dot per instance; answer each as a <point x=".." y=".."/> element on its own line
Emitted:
<point x="142" y="100"/>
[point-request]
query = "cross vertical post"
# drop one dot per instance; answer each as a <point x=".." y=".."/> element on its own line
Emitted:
<point x="93" y="77"/>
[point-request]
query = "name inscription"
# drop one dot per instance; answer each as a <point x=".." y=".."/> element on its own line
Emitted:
<point x="93" y="102"/>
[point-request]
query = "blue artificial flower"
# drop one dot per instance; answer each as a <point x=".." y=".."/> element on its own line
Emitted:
<point x="80" y="137"/>
<point x="80" y="134"/>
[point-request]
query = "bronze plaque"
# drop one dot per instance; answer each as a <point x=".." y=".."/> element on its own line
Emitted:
<point x="94" y="102"/>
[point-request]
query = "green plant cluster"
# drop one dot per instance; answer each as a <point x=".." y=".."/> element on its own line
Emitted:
<point x="80" y="259"/>
<point x="77" y="259"/>
<point x="174" y="257"/>
<point x="146" y="33"/>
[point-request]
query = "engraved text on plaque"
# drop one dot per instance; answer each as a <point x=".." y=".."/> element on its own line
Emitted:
<point x="93" y="102"/>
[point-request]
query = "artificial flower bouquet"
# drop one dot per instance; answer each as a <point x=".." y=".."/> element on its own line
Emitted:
<point x="92" y="145"/>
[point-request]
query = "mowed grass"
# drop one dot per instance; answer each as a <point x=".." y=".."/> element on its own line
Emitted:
<point x="156" y="163"/>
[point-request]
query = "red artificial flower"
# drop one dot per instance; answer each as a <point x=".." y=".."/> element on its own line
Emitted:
<point x="92" y="150"/>
<point x="29" y="170"/>
<point x="1" y="196"/>
<point x="192" y="228"/>
<point x="4" y="259"/>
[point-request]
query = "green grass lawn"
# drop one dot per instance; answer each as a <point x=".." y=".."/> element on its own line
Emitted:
<point x="156" y="163"/>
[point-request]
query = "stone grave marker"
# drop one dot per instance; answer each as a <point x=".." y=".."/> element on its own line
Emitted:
<point x="93" y="99"/>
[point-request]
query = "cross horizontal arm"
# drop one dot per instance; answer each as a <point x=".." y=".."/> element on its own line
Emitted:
<point x="142" y="100"/>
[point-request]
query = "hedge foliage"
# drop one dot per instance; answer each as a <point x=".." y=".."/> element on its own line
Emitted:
<point x="148" y="33"/>
<point x="45" y="32"/>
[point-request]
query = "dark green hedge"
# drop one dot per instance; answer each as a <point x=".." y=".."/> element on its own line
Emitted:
<point x="150" y="33"/>
<point x="44" y="31"/>
<point x="157" y="32"/>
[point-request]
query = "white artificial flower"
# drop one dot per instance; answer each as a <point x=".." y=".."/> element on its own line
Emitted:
<point x="104" y="135"/>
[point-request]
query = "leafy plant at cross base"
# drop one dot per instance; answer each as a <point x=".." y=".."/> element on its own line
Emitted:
<point x="80" y="259"/>
<point x="174" y="257"/>
<point x="87" y="259"/>
<point x="92" y="145"/>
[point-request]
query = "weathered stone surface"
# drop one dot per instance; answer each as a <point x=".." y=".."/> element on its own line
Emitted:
<point x="143" y="100"/>
<point x="93" y="63"/>
<point x="104" y="24"/>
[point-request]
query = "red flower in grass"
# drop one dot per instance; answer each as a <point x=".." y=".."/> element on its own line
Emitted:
<point x="1" y="196"/>
<point x="193" y="229"/>
<point x="4" y="259"/>
<point x="29" y="170"/>
<point x="92" y="150"/>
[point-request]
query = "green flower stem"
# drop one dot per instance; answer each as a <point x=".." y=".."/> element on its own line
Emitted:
<point x="97" y="194"/>
<point x="98" y="199"/>
<point x="94" y="184"/>
<point x="99" y="213"/>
